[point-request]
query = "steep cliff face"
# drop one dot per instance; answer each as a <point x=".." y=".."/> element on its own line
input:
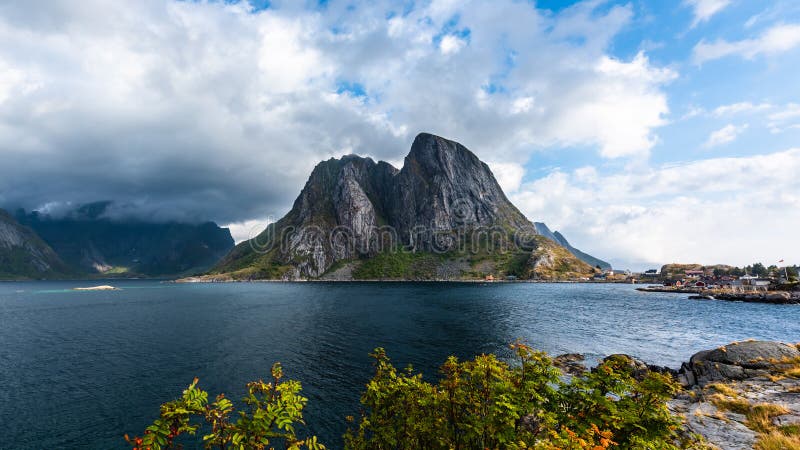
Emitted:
<point x="23" y="254"/>
<point x="445" y="186"/>
<point x="559" y="239"/>
<point x="443" y="211"/>
<point x="91" y="244"/>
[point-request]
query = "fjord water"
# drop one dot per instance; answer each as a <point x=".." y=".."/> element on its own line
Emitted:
<point x="80" y="369"/>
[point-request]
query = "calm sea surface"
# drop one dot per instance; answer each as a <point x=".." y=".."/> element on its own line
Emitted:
<point x="80" y="369"/>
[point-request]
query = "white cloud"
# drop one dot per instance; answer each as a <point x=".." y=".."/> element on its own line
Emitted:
<point x="784" y="118"/>
<point x="522" y="105"/>
<point x="741" y="107"/>
<point x="625" y="98"/>
<point x="248" y="229"/>
<point x="790" y="111"/>
<point x="778" y="39"/>
<point x="724" y="135"/>
<point x="703" y="10"/>
<point x="720" y="210"/>
<point x="508" y="175"/>
<point x="451" y="44"/>
<point x="210" y="110"/>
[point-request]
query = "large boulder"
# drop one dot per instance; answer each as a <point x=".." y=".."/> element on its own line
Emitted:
<point x="738" y="361"/>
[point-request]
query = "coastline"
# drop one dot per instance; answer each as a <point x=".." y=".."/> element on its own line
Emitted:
<point x="737" y="396"/>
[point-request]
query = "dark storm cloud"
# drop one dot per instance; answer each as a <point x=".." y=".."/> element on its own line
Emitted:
<point x="210" y="111"/>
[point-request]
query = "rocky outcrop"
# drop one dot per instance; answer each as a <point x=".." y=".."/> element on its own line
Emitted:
<point x="774" y="297"/>
<point x="738" y="361"/>
<point x="444" y="202"/>
<point x="23" y="254"/>
<point x="742" y="396"/>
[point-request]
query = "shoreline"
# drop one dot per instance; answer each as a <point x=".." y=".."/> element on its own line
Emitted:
<point x="771" y="297"/>
<point x="189" y="280"/>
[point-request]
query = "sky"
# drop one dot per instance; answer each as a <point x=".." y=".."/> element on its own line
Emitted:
<point x="646" y="132"/>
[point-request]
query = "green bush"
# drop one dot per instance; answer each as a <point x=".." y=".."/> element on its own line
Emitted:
<point x="488" y="404"/>
<point x="484" y="403"/>
<point x="274" y="409"/>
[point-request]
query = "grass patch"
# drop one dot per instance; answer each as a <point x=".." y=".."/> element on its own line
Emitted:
<point x="737" y="405"/>
<point x="724" y="389"/>
<point x="790" y="430"/>
<point x="794" y="372"/>
<point x="759" y="418"/>
<point x="775" y="440"/>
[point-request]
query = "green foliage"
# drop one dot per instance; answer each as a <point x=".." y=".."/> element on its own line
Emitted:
<point x="483" y="403"/>
<point x="398" y="264"/>
<point x="759" y="270"/>
<point x="518" y="264"/>
<point x="273" y="410"/>
<point x="488" y="404"/>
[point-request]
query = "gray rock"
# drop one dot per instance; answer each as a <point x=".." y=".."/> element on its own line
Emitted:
<point x="720" y="431"/>
<point x="570" y="363"/>
<point x="737" y="361"/>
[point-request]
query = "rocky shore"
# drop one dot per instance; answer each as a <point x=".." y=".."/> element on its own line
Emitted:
<point x="775" y="297"/>
<point x="744" y="395"/>
<point x="670" y="289"/>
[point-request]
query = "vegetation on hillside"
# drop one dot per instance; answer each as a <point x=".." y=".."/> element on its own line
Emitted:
<point x="484" y="403"/>
<point x="400" y="265"/>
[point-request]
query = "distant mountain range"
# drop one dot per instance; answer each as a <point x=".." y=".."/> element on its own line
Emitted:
<point x="442" y="216"/>
<point x="558" y="238"/>
<point x="85" y="243"/>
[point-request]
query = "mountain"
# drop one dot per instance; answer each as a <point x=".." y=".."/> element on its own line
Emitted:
<point x="442" y="216"/>
<point x="559" y="239"/>
<point x="91" y="243"/>
<point x="23" y="255"/>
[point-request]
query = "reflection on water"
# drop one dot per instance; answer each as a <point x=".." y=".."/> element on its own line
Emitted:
<point x="88" y="366"/>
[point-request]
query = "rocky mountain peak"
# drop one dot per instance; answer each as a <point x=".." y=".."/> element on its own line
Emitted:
<point x="433" y="156"/>
<point x="351" y="207"/>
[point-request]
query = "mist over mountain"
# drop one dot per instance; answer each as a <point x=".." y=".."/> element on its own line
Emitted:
<point x="91" y="243"/>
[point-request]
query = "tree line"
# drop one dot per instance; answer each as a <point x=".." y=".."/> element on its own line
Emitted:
<point x="758" y="269"/>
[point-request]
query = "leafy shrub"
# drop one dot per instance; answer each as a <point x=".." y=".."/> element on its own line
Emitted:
<point x="488" y="404"/>
<point x="274" y="409"/>
<point x="484" y="403"/>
